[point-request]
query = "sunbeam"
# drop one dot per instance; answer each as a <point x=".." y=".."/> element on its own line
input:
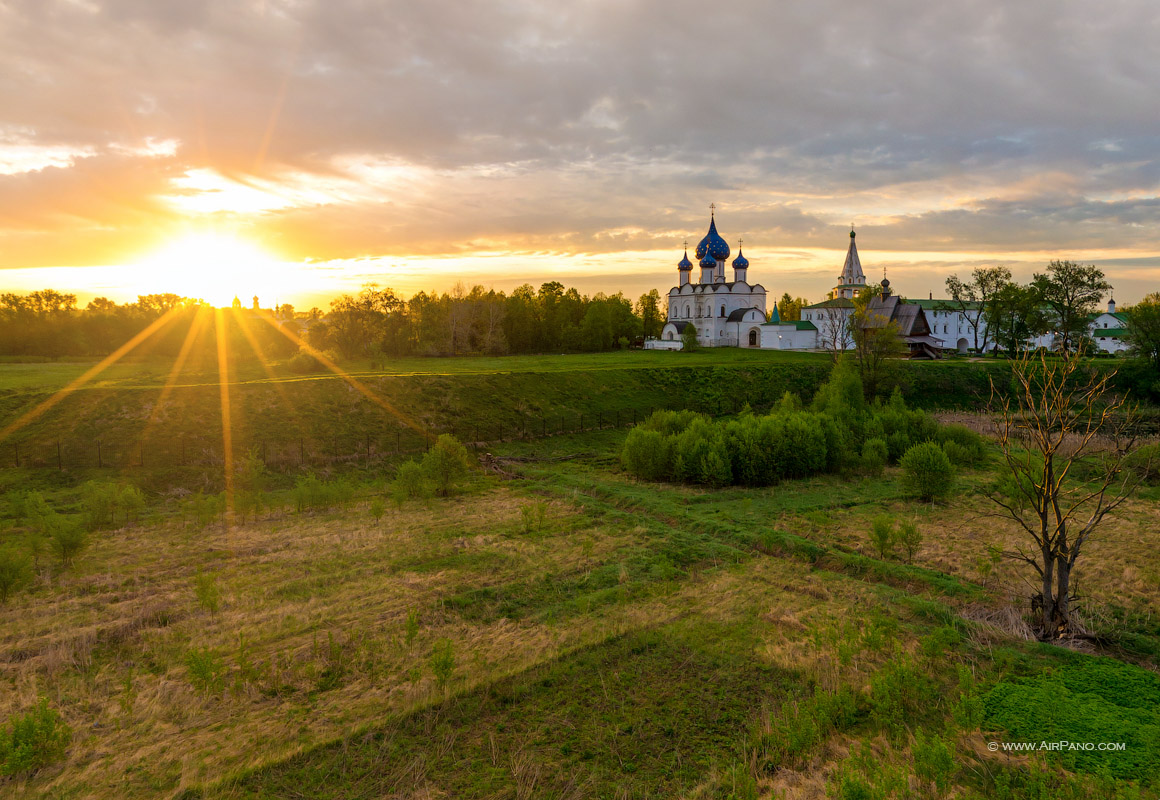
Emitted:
<point x="337" y="370"/>
<point x="244" y="327"/>
<point x="91" y="373"/>
<point x="223" y="359"/>
<point x="191" y="336"/>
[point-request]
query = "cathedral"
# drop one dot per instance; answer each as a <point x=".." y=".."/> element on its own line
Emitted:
<point x="724" y="313"/>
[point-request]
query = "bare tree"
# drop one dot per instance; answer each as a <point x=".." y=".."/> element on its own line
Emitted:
<point x="878" y="347"/>
<point x="973" y="299"/>
<point x="1058" y="421"/>
<point x="834" y="331"/>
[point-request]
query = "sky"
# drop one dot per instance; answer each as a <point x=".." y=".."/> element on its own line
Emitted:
<point x="296" y="149"/>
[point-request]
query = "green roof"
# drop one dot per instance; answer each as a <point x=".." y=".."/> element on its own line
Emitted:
<point x="1109" y="333"/>
<point x="837" y="302"/>
<point x="941" y="305"/>
<point x="804" y="325"/>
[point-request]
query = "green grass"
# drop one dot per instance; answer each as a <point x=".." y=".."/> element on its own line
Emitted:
<point x="648" y="713"/>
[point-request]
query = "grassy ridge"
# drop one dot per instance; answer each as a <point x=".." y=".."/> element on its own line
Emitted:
<point x="325" y="417"/>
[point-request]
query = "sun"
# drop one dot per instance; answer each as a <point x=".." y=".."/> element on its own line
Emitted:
<point x="216" y="268"/>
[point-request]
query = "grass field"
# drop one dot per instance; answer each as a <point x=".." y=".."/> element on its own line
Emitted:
<point x="574" y="633"/>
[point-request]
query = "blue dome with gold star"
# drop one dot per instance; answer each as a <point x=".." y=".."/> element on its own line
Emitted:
<point x="713" y="245"/>
<point x="685" y="263"/>
<point x="741" y="262"/>
<point x="708" y="262"/>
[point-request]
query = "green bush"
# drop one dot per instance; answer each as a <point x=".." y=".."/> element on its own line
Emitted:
<point x="647" y="454"/>
<point x="934" y="760"/>
<point x="963" y="446"/>
<point x="410" y="482"/>
<point x="313" y="494"/>
<point x="206" y="670"/>
<point x="303" y="363"/>
<point x="927" y="472"/>
<point x="205" y="588"/>
<point x="1145" y="462"/>
<point x="897" y="444"/>
<point x="882" y="535"/>
<point x="874" y="456"/>
<point x="104" y="503"/>
<point x="443" y="663"/>
<point x="14" y="570"/>
<point x="909" y="538"/>
<point x="446" y="464"/>
<point x="33" y="740"/>
<point x="68" y="539"/>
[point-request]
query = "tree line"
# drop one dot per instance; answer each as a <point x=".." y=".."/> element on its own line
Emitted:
<point x="1061" y="300"/>
<point x="51" y="324"/>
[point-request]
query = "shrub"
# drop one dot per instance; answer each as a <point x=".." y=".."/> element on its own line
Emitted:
<point x="909" y="538"/>
<point x="14" y="570"/>
<point x="303" y="363"/>
<point x="646" y="454"/>
<point x="377" y="508"/>
<point x="882" y="535"/>
<point x="934" y="760"/>
<point x="206" y="670"/>
<point x="1145" y="462"/>
<point x="208" y="594"/>
<point x="410" y="482"/>
<point x="443" y="663"/>
<point x="874" y="456"/>
<point x="102" y="502"/>
<point x="68" y="539"/>
<point x="446" y="464"/>
<point x="897" y="444"/>
<point x="670" y="422"/>
<point x="33" y="740"/>
<point x="927" y="472"/>
<point x="963" y="445"/>
<point x="203" y="508"/>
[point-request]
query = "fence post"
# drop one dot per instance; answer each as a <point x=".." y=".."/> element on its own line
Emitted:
<point x="427" y="440"/>
<point x="368" y="449"/>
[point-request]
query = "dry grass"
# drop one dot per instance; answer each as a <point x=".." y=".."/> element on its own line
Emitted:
<point x="109" y="643"/>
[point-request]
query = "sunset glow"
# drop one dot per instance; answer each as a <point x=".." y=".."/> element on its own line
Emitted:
<point x="216" y="268"/>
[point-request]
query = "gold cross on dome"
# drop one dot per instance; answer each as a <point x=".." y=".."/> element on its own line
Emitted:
<point x="712" y="209"/>
<point x="739" y="241"/>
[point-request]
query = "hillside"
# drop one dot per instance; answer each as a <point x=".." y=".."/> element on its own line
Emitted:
<point x="322" y="418"/>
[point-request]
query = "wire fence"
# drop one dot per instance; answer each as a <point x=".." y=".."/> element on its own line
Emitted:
<point x="369" y="447"/>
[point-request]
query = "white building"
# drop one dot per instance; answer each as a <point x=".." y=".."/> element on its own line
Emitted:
<point x="733" y="313"/>
<point x="725" y="313"/>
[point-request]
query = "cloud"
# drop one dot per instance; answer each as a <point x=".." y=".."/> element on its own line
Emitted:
<point x="364" y="129"/>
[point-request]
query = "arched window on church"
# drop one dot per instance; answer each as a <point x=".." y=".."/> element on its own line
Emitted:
<point x="722" y="310"/>
<point x="753" y="338"/>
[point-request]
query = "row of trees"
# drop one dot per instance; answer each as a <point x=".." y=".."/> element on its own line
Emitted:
<point x="550" y="319"/>
<point x="375" y="320"/>
<point x="1009" y="315"/>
